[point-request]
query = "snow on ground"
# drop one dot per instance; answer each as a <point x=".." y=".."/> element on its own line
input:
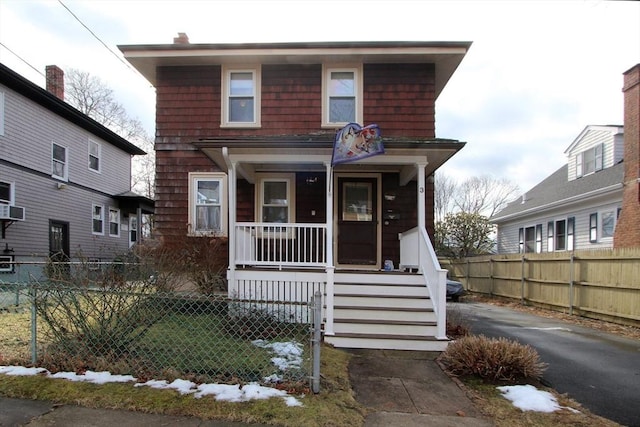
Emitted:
<point x="529" y="398"/>
<point x="289" y="355"/>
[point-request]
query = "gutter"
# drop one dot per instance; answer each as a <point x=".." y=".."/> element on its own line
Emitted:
<point x="571" y="200"/>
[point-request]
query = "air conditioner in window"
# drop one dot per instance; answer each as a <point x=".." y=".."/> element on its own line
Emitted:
<point x="12" y="213"/>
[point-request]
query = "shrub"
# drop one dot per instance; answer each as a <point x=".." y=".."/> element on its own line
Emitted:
<point x="492" y="359"/>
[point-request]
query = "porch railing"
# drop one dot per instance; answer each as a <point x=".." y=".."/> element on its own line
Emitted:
<point x="426" y="261"/>
<point x="281" y="244"/>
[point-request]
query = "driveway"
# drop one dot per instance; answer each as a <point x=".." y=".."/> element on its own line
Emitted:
<point x="595" y="368"/>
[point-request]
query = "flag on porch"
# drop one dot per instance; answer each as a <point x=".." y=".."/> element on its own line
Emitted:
<point x="354" y="142"/>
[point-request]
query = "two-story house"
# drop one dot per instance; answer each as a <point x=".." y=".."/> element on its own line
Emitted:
<point x="65" y="181"/>
<point x="577" y="206"/>
<point x="245" y="137"/>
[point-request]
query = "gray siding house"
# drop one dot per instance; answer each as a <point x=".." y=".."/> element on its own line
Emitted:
<point x="65" y="180"/>
<point x="577" y="206"/>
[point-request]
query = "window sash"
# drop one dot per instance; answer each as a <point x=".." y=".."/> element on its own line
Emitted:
<point x="207" y="204"/>
<point x="561" y="235"/>
<point x="6" y="193"/>
<point x="94" y="156"/>
<point x="58" y="161"/>
<point x="608" y="224"/>
<point x="275" y="200"/>
<point x="241" y="103"/>
<point x="114" y="222"/>
<point x="97" y="219"/>
<point x="571" y="225"/>
<point x="521" y="240"/>
<point x="342" y="94"/>
<point x="550" y="239"/>
<point x="539" y="238"/>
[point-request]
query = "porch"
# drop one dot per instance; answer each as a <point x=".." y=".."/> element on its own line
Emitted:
<point x="297" y="224"/>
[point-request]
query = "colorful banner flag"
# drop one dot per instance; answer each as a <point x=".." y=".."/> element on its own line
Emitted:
<point x="354" y="142"/>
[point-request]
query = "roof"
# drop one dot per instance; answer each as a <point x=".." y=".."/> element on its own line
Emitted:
<point x="54" y="104"/>
<point x="446" y="55"/>
<point x="556" y="190"/>
<point x="131" y="201"/>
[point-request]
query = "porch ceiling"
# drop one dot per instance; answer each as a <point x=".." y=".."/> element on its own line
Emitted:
<point x="309" y="154"/>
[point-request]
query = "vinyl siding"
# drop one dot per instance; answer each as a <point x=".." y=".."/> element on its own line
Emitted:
<point x="590" y="140"/>
<point x="29" y="132"/>
<point x="25" y="161"/>
<point x="508" y="241"/>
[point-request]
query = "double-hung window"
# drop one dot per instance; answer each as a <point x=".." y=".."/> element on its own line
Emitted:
<point x="342" y="95"/>
<point x="94" y="156"/>
<point x="593" y="228"/>
<point x="608" y="224"/>
<point x="531" y="239"/>
<point x="241" y="100"/>
<point x="6" y="193"/>
<point x="114" y="222"/>
<point x="97" y="219"/>
<point x="59" y="164"/>
<point x="275" y="202"/>
<point x="589" y="161"/>
<point x="207" y="203"/>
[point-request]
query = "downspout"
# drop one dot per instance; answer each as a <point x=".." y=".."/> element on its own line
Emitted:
<point x="330" y="268"/>
<point x="231" y="185"/>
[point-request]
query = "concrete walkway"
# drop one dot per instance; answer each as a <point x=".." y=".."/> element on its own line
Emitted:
<point x="408" y="388"/>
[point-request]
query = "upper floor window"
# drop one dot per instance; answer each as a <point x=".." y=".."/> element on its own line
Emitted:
<point x="94" y="156"/>
<point x="1" y="113"/>
<point x="343" y="93"/>
<point x="6" y="193"/>
<point x="97" y="219"/>
<point x="59" y="167"/>
<point x="589" y="161"/>
<point x="276" y="198"/>
<point x="207" y="203"/>
<point x="114" y="222"/>
<point x="241" y="100"/>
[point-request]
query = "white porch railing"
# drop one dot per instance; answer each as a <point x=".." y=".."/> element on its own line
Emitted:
<point x="426" y="261"/>
<point x="281" y="244"/>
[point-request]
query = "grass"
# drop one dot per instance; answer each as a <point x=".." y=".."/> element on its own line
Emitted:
<point x="333" y="406"/>
<point x="490" y="402"/>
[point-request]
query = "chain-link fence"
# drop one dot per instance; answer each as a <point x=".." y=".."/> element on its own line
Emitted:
<point x="124" y="320"/>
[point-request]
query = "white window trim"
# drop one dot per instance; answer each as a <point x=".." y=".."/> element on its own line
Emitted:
<point x="93" y="206"/>
<point x="357" y="70"/>
<point x="194" y="177"/>
<point x="112" y="209"/>
<point x="601" y="236"/>
<point x="12" y="192"/>
<point x="290" y="179"/>
<point x="257" y="101"/>
<point x="1" y="113"/>
<point x="91" y="141"/>
<point x="66" y="162"/>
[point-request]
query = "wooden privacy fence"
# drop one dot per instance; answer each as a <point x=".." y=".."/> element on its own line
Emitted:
<point x="601" y="284"/>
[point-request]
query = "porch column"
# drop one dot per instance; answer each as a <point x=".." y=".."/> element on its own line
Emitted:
<point x="421" y="203"/>
<point x="328" y="327"/>
<point x="231" y="232"/>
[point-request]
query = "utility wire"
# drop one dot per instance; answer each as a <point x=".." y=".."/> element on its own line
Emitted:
<point x="98" y="38"/>
<point x="21" y="59"/>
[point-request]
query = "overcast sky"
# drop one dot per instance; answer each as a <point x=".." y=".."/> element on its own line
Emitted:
<point x="537" y="73"/>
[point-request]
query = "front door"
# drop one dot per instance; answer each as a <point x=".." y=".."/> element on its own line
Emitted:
<point x="59" y="268"/>
<point x="357" y="221"/>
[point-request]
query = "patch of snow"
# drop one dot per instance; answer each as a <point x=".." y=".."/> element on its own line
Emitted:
<point x="529" y="398"/>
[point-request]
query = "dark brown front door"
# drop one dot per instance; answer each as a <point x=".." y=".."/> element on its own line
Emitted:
<point x="357" y="221"/>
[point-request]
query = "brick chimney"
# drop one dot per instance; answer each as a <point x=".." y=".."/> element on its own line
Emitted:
<point x="55" y="81"/>
<point x="627" y="233"/>
<point x="182" y="38"/>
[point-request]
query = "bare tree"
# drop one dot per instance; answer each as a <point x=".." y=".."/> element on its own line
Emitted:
<point x="93" y="97"/>
<point x="484" y="195"/>
<point x="443" y="195"/>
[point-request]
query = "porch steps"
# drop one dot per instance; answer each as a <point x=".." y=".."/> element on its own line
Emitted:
<point x="384" y="311"/>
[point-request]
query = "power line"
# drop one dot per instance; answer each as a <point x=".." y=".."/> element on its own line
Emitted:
<point x="96" y="37"/>
<point x="22" y="59"/>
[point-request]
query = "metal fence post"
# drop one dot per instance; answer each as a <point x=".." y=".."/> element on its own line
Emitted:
<point x="34" y="325"/>
<point x="317" y="339"/>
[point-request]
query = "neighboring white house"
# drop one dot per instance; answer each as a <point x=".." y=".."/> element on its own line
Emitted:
<point x="577" y="206"/>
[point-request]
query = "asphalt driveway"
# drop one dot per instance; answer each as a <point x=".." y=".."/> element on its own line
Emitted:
<point x="595" y="368"/>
